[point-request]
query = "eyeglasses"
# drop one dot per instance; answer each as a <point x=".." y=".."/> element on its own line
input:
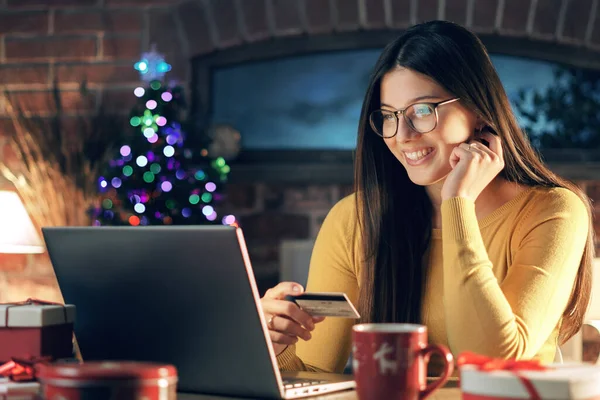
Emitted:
<point x="420" y="117"/>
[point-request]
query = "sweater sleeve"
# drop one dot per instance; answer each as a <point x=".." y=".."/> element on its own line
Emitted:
<point x="512" y="318"/>
<point x="332" y="269"/>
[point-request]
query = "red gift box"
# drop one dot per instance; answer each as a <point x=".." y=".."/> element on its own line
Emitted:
<point x="36" y="328"/>
<point x="494" y="379"/>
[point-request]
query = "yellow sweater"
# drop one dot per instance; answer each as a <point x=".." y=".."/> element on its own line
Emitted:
<point x="497" y="286"/>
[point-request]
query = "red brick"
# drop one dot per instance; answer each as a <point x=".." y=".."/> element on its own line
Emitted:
<point x="347" y="13"/>
<point x="346" y="190"/>
<point x="578" y="13"/>
<point x="223" y="13"/>
<point x="241" y="196"/>
<point x="52" y="46"/>
<point x="318" y="15"/>
<point x="46" y="3"/>
<point x="484" y="15"/>
<point x="192" y="17"/>
<point x="427" y="10"/>
<point x="13" y="262"/>
<point x="121" y="3"/>
<point x="546" y="17"/>
<point x="456" y="11"/>
<point x="122" y="47"/>
<point x="74" y="128"/>
<point x="276" y="226"/>
<point x="118" y="100"/>
<point x="375" y="13"/>
<point x="161" y="32"/>
<point x="24" y="22"/>
<point x="41" y="265"/>
<point x="306" y="198"/>
<point x="96" y="73"/>
<point x="77" y="101"/>
<point x="287" y="18"/>
<point x="401" y="12"/>
<point x="10" y="156"/>
<point x="115" y="21"/>
<point x="43" y="101"/>
<point x="23" y="74"/>
<point x="515" y="15"/>
<point x="6" y="128"/>
<point x="263" y="252"/>
<point x="255" y="19"/>
<point x="19" y="288"/>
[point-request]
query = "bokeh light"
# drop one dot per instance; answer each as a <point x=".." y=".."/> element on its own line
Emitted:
<point x="166" y="186"/>
<point x="142" y="161"/>
<point x="125" y="150"/>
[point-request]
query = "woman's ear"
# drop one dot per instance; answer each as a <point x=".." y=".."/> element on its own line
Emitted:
<point x="480" y="128"/>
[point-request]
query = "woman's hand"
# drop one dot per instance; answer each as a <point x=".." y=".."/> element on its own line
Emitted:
<point x="285" y="320"/>
<point x="474" y="166"/>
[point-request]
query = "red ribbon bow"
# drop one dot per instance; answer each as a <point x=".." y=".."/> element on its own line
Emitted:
<point x="29" y="302"/>
<point x="483" y="363"/>
<point x="19" y="370"/>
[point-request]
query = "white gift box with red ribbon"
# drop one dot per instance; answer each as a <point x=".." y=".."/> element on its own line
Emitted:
<point x="36" y="328"/>
<point x="10" y="390"/>
<point x="556" y="381"/>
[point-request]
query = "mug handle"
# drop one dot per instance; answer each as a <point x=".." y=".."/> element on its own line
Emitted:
<point x="448" y="367"/>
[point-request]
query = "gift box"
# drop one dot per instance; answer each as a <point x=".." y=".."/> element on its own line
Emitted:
<point x="489" y="379"/>
<point x="10" y="390"/>
<point x="34" y="328"/>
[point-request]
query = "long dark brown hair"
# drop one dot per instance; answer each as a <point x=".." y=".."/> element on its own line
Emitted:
<point x="395" y="215"/>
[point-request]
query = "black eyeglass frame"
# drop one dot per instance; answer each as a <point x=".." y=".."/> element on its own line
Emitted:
<point x="408" y="121"/>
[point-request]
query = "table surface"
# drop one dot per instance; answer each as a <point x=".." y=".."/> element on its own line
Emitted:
<point x="449" y="392"/>
<point x="442" y="394"/>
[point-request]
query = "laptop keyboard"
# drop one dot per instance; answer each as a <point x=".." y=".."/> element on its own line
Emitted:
<point x="292" y="383"/>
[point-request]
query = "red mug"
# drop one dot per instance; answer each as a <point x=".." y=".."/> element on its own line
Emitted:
<point x="390" y="361"/>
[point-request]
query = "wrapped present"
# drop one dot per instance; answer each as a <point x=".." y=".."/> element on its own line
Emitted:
<point x="483" y="378"/>
<point x="36" y="328"/>
<point x="10" y="390"/>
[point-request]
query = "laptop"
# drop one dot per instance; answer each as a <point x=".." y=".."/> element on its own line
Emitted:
<point x="183" y="295"/>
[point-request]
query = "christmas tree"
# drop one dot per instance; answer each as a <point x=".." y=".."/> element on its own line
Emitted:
<point x="155" y="179"/>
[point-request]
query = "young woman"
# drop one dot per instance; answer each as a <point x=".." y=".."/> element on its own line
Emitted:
<point x="455" y="222"/>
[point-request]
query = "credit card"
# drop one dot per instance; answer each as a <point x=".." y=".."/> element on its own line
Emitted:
<point x="325" y="304"/>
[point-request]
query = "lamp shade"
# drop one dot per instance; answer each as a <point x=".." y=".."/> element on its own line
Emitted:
<point x="17" y="233"/>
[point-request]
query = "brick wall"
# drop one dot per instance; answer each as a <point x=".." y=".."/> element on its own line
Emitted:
<point x="75" y="40"/>
<point x="69" y="41"/>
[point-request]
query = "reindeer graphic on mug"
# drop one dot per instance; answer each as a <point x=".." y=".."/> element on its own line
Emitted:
<point x="389" y="359"/>
<point x="385" y="365"/>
